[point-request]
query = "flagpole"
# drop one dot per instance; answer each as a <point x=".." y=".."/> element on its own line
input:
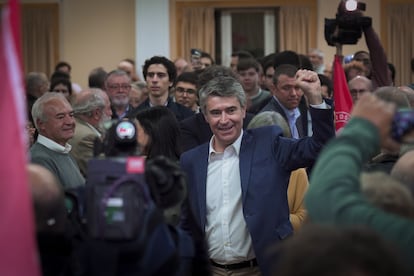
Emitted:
<point x="338" y="49"/>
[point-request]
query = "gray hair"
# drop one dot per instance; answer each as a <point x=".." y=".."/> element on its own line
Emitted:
<point x="317" y="52"/>
<point x="388" y="193"/>
<point x="393" y="95"/>
<point x="38" y="112"/>
<point x="270" y="118"/>
<point x="116" y="72"/>
<point x="222" y="87"/>
<point x="88" y="101"/>
<point x="34" y="80"/>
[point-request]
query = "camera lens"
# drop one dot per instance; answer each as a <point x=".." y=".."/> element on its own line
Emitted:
<point x="351" y="5"/>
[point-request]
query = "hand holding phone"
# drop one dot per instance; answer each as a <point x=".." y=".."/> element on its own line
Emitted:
<point x="403" y="126"/>
<point x="196" y="59"/>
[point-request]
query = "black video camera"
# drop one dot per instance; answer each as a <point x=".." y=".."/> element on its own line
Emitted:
<point x="122" y="186"/>
<point x="120" y="140"/>
<point x="347" y="27"/>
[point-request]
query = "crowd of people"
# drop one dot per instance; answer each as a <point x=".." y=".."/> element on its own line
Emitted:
<point x="270" y="187"/>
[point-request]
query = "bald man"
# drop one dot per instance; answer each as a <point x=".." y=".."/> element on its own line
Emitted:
<point x="359" y="85"/>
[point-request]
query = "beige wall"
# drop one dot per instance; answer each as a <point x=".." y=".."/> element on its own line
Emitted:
<point x="96" y="33"/>
<point x="327" y="9"/>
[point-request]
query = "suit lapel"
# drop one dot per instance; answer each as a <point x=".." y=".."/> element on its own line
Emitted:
<point x="245" y="159"/>
<point x="201" y="181"/>
<point x="279" y="109"/>
<point x="301" y="126"/>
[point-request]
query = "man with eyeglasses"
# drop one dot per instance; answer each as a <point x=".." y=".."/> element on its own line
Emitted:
<point x="185" y="92"/>
<point x="118" y="85"/>
<point x="160" y="74"/>
<point x="359" y="85"/>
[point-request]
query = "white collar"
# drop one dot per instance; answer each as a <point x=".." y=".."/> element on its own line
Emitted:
<point x="52" y="145"/>
<point x="236" y="145"/>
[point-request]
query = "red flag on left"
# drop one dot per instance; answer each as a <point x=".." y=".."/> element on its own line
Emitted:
<point x="18" y="251"/>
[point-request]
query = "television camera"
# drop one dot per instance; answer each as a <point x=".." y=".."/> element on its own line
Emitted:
<point x="347" y="26"/>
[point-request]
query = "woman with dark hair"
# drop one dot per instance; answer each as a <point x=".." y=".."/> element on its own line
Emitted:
<point x="62" y="85"/>
<point x="158" y="133"/>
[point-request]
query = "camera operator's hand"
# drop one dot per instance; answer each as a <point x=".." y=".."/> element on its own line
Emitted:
<point x="380" y="114"/>
<point x="309" y="82"/>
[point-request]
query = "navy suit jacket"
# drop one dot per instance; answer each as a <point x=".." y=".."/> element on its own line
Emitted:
<point x="266" y="161"/>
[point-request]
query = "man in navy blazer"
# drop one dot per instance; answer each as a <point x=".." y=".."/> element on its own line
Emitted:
<point x="237" y="183"/>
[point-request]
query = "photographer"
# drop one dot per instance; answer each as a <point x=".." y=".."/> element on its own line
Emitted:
<point x="375" y="61"/>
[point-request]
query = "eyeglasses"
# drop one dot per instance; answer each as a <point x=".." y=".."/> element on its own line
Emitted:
<point x="358" y="91"/>
<point x="119" y="86"/>
<point x="182" y="90"/>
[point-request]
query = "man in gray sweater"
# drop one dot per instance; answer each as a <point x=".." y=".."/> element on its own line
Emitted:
<point x="53" y="119"/>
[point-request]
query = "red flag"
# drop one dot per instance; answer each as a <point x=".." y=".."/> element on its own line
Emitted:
<point x="342" y="97"/>
<point x="18" y="253"/>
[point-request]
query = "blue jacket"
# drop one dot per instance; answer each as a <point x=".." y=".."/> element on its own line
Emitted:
<point x="266" y="160"/>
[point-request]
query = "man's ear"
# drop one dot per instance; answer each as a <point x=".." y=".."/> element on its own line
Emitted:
<point x="40" y="124"/>
<point x="97" y="113"/>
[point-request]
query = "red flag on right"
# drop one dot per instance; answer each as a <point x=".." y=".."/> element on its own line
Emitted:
<point x="342" y="97"/>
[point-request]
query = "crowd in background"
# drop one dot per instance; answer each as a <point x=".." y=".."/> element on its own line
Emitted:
<point x="269" y="188"/>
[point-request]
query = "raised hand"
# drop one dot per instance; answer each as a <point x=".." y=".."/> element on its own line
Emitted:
<point x="309" y="82"/>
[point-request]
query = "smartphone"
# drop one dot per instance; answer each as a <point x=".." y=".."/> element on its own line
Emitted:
<point x="196" y="59"/>
<point x="402" y="124"/>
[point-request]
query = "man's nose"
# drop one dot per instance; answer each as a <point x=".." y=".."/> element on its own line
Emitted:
<point x="295" y="91"/>
<point x="223" y="117"/>
<point x="69" y="119"/>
